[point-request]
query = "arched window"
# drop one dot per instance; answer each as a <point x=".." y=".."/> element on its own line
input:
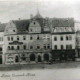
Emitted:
<point x="32" y="57"/>
<point x="46" y="57"/>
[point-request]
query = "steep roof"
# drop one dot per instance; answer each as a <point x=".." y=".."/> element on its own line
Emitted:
<point x="2" y="27"/>
<point x="63" y="22"/>
<point x="22" y="25"/>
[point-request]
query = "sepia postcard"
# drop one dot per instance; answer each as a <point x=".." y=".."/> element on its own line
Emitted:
<point x="39" y="40"/>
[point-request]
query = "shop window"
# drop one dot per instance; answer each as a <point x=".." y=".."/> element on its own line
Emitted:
<point x="62" y="47"/>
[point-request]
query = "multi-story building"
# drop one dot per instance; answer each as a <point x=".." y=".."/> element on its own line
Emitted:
<point x="27" y="41"/>
<point x="2" y="28"/>
<point x="63" y="39"/>
<point x="78" y="43"/>
<point x="38" y="40"/>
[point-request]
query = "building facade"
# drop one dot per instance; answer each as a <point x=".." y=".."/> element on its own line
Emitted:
<point x="27" y="41"/>
<point x="39" y="40"/>
<point x="78" y="43"/>
<point x="63" y="40"/>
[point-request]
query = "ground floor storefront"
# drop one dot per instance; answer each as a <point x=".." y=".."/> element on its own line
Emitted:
<point x="78" y="53"/>
<point x="23" y="58"/>
<point x="63" y="55"/>
<point x="0" y="58"/>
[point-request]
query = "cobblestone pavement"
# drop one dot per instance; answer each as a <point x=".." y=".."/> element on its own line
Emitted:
<point x="41" y="66"/>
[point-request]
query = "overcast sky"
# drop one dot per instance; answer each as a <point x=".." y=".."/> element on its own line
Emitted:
<point x="15" y="9"/>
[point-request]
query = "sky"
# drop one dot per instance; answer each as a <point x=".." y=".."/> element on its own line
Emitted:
<point x="15" y="9"/>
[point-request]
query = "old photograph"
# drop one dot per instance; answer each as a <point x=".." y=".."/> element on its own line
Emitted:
<point x="39" y="40"/>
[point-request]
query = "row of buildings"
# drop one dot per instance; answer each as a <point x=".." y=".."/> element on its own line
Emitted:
<point x="38" y="40"/>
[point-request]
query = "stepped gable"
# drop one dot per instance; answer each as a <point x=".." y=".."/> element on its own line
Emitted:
<point x="22" y="25"/>
<point x="63" y="22"/>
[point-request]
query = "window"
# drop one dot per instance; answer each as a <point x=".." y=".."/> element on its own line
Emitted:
<point x="37" y="37"/>
<point x="24" y="47"/>
<point x="61" y="46"/>
<point x="31" y="47"/>
<point x="34" y="22"/>
<point x="69" y="46"/>
<point x="61" y="38"/>
<point x="70" y="37"/>
<point x="31" y="30"/>
<point x="24" y="37"/>
<point x="44" y="46"/>
<point x="17" y="37"/>
<point x="12" y="47"/>
<point x="13" y="30"/>
<point x="0" y="48"/>
<point x="55" y="38"/>
<point x="8" y="38"/>
<point x="38" y="47"/>
<point x="2" y="38"/>
<point x="12" y="38"/>
<point x="8" y="47"/>
<point x="66" y="46"/>
<point x="48" y="38"/>
<point x="31" y="38"/>
<point x="66" y="37"/>
<point x="48" y="46"/>
<point x="18" y="47"/>
<point x="55" y="47"/>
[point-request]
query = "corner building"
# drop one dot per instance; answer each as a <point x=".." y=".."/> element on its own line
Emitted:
<point x="27" y="41"/>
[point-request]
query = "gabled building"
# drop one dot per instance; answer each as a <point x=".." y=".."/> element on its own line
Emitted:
<point x="78" y="43"/>
<point x="2" y="28"/>
<point x="63" y="39"/>
<point x="27" y="41"/>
